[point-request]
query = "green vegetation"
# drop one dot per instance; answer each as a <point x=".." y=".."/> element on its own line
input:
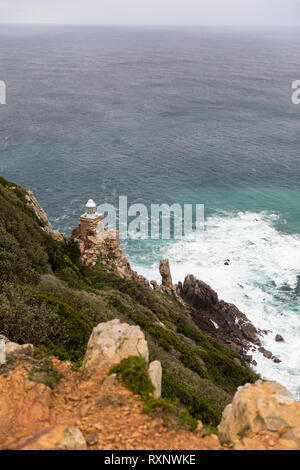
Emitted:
<point x="134" y="374"/>
<point x="46" y="374"/>
<point x="133" y="371"/>
<point x="172" y="412"/>
<point x="48" y="298"/>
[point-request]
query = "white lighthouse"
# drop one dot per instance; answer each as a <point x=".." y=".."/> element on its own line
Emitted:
<point x="89" y="220"/>
<point x="90" y="208"/>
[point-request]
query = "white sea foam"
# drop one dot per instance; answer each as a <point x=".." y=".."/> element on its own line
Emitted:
<point x="262" y="261"/>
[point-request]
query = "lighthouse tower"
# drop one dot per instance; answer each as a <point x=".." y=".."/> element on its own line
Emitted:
<point x="89" y="220"/>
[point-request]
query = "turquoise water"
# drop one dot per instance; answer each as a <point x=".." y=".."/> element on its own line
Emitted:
<point x="163" y="116"/>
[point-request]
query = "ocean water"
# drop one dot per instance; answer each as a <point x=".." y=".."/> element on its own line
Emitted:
<point x="170" y="115"/>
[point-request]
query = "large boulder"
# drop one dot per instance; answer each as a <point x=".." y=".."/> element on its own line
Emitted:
<point x="18" y="350"/>
<point x="261" y="409"/>
<point x="111" y="342"/>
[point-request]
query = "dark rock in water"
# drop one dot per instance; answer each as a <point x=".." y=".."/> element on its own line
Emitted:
<point x="248" y="358"/>
<point x="265" y="353"/>
<point x="250" y="332"/>
<point x="285" y="288"/>
<point x="279" y="338"/>
<point x="226" y="262"/>
<point x="297" y="289"/>
<point x="276" y="360"/>
<point x="235" y="330"/>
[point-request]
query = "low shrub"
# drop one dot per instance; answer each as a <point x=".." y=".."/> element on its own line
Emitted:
<point x="134" y="373"/>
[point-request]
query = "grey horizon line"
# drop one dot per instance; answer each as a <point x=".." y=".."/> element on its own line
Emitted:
<point x="151" y="25"/>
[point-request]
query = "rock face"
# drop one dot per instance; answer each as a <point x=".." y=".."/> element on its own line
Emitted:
<point x="198" y="294"/>
<point x="23" y="404"/>
<point x="39" y="212"/>
<point x="220" y="319"/>
<point x="263" y="409"/>
<point x="98" y="243"/>
<point x="155" y="374"/>
<point x="54" y="438"/>
<point x="164" y="269"/>
<point x="111" y="342"/>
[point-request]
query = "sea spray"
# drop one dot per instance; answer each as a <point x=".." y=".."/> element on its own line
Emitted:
<point x="254" y="266"/>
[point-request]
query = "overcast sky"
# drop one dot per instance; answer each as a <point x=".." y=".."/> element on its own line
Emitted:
<point x="152" y="12"/>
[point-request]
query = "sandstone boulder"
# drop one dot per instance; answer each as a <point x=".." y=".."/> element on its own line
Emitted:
<point x="54" y="438"/>
<point x="18" y="350"/>
<point x="263" y="409"/>
<point x="111" y="342"/>
<point x="155" y="374"/>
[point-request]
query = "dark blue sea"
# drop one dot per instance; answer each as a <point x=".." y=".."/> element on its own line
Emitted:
<point x="169" y="115"/>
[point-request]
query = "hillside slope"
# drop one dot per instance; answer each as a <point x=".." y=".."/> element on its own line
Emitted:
<point x="49" y="298"/>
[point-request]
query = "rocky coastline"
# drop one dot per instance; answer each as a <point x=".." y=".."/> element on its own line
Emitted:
<point x="80" y="328"/>
<point x="221" y="320"/>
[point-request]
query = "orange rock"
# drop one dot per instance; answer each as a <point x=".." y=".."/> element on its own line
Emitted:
<point x="54" y="438"/>
<point x="281" y="430"/>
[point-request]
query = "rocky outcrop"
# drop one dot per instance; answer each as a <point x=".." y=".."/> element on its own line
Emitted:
<point x="155" y="374"/>
<point x="110" y="343"/>
<point x="164" y="269"/>
<point x="39" y="212"/>
<point x="198" y="294"/>
<point x="96" y="243"/>
<point x="222" y="320"/>
<point x="15" y="350"/>
<point x="54" y="438"/>
<point x="265" y="411"/>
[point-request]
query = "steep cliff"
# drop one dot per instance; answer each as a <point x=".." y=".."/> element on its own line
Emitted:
<point x="49" y="297"/>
